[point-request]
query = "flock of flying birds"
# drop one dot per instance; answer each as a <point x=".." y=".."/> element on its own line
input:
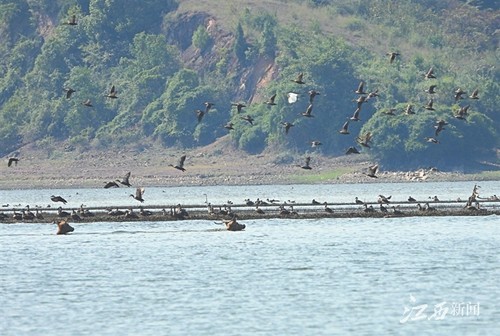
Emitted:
<point x="362" y="97"/>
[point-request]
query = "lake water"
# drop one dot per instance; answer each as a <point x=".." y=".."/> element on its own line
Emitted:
<point x="404" y="276"/>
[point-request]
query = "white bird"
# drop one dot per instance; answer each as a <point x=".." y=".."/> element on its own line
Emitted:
<point x="292" y="97"/>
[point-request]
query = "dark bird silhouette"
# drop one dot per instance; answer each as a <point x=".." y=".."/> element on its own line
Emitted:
<point x="360" y="89"/>
<point x="409" y="110"/>
<point x="69" y="92"/>
<point x="87" y="103"/>
<point x="12" y="160"/>
<point x="372" y="171"/>
<point x="229" y="126"/>
<point x="312" y="94"/>
<point x="392" y="56"/>
<point x="125" y="180"/>
<point x="360" y="101"/>
<point x="138" y="194"/>
<point x="390" y="112"/>
<point x="248" y="118"/>
<point x="430" y="73"/>
<point x="429" y="105"/>
<point x="364" y="140"/>
<point x="462" y="113"/>
<point x="180" y="164"/>
<point x="308" y="112"/>
<point x="299" y="78"/>
<point x="439" y="126"/>
<point x="431" y="89"/>
<point x="411" y="199"/>
<point x="199" y="115"/>
<point x="355" y="116"/>
<point x="63" y="227"/>
<point x="287" y="125"/>
<point x="271" y="99"/>
<point x="345" y="128"/>
<point x="315" y="143"/>
<point x="111" y="184"/>
<point x="458" y="94"/>
<point x="358" y="201"/>
<point x="71" y="21"/>
<point x="352" y="150"/>
<point x="372" y="94"/>
<point x="384" y="200"/>
<point x="239" y="106"/>
<point x="112" y="93"/>
<point x="208" y="106"/>
<point x="474" y="94"/>
<point x="58" y="199"/>
<point x="431" y="140"/>
<point x="306" y="164"/>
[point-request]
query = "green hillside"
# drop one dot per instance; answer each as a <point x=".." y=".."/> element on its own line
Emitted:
<point x="165" y="59"/>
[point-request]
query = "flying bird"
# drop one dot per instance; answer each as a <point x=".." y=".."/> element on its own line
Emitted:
<point x="87" y="103"/>
<point x="287" y="125"/>
<point x="199" y="115"/>
<point x="112" y="93"/>
<point x="180" y="164"/>
<point x="392" y="56"/>
<point x="372" y="171"/>
<point x="430" y="73"/>
<point x="439" y="126"/>
<point x="360" y="89"/>
<point x="360" y="100"/>
<point x="429" y="105"/>
<point x="271" y="99"/>
<point x="462" y="113"/>
<point x="344" y="129"/>
<point x="12" y="160"/>
<point x="409" y="110"/>
<point x="431" y="89"/>
<point x="458" y="94"/>
<point x="58" y="199"/>
<point x="312" y="94"/>
<point x="248" y="118"/>
<point x="299" y="78"/>
<point x="315" y="143"/>
<point x="355" y="116"/>
<point x="308" y="112"/>
<point x="352" y="150"/>
<point x="474" y="94"/>
<point x="390" y="112"/>
<point x="125" y="180"/>
<point x="364" y="140"/>
<point x="69" y="92"/>
<point x="239" y="106"/>
<point x="229" y="126"/>
<point x="138" y="194"/>
<point x="372" y="94"/>
<point x="208" y="106"/>
<point x="71" y="21"/>
<point x="306" y="164"/>
<point x="432" y="140"/>
<point x="111" y="184"/>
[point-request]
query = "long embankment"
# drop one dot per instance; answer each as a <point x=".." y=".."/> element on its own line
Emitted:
<point x="243" y="211"/>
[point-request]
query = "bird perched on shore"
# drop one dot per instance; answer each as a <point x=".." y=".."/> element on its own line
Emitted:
<point x="63" y="227"/>
<point x="58" y="199"/>
<point x="12" y="160"/>
<point x="125" y="180"/>
<point x="180" y="164"/>
<point x="138" y="194"/>
<point x="306" y="164"/>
